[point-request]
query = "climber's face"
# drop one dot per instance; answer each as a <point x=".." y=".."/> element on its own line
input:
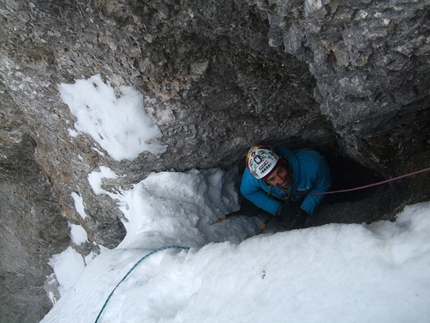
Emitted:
<point x="279" y="176"/>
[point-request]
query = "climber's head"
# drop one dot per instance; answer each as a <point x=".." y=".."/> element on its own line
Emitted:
<point x="263" y="163"/>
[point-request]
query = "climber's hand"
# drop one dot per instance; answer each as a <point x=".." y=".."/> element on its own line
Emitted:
<point x="287" y="213"/>
<point x="301" y="218"/>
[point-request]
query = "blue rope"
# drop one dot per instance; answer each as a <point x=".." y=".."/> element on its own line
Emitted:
<point x="132" y="268"/>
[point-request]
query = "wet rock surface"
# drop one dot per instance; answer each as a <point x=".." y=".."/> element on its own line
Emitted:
<point x="348" y="78"/>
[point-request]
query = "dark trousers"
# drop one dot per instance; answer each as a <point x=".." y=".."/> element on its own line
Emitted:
<point x="296" y="220"/>
<point x="250" y="209"/>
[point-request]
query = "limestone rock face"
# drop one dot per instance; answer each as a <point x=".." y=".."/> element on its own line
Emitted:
<point x="348" y="78"/>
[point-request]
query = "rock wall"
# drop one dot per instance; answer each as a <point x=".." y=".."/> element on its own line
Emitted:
<point x="349" y="78"/>
<point x="31" y="228"/>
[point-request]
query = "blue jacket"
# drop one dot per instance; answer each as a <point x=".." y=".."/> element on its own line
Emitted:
<point x="311" y="174"/>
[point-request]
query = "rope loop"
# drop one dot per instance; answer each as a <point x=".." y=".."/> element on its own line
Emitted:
<point x="132" y="268"/>
<point x="375" y="184"/>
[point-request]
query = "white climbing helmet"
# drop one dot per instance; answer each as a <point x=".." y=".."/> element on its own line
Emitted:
<point x="260" y="160"/>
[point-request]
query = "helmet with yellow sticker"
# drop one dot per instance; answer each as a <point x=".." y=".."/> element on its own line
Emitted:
<point x="260" y="160"/>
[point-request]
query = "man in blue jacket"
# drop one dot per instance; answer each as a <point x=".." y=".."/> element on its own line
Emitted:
<point x="286" y="184"/>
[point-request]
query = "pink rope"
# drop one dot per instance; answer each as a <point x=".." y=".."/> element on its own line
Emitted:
<point x="375" y="184"/>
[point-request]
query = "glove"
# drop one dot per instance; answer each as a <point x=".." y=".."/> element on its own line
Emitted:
<point x="291" y="216"/>
<point x="301" y="218"/>
<point x="287" y="214"/>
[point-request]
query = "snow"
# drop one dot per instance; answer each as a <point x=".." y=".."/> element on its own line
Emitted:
<point x="115" y="119"/>
<point x="95" y="179"/>
<point x="68" y="266"/>
<point x="333" y="273"/>
<point x="79" y="205"/>
<point x="78" y="234"/>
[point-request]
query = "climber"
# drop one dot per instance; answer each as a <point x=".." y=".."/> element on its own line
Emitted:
<point x="283" y="183"/>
